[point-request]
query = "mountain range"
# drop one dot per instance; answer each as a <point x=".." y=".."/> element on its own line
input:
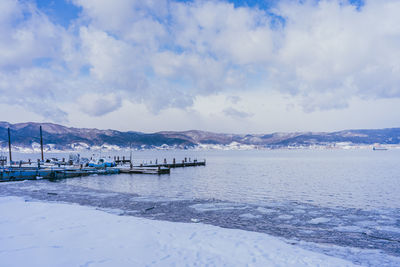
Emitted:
<point x="59" y="137"/>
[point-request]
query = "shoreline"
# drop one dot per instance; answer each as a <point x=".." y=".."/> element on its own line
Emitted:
<point x="59" y="234"/>
<point x="200" y="148"/>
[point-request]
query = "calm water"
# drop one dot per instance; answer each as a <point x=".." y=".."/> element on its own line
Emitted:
<point x="335" y="178"/>
<point x="344" y="203"/>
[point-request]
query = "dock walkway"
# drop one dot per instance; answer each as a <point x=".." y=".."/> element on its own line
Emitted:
<point x="174" y="164"/>
<point x="29" y="173"/>
<point x="21" y="172"/>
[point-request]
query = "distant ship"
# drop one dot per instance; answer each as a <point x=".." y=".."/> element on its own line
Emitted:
<point x="378" y="147"/>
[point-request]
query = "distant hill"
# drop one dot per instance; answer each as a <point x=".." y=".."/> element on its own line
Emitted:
<point x="59" y="137"/>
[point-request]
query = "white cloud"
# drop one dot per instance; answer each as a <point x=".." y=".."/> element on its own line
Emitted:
<point x="235" y="113"/>
<point x="165" y="54"/>
<point x="26" y="38"/>
<point x="331" y="47"/>
<point x="235" y="35"/>
<point x="98" y="105"/>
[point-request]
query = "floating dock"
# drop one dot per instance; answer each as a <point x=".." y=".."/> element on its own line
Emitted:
<point x="163" y="168"/>
<point x="27" y="173"/>
<point x="174" y="164"/>
<point x="52" y="169"/>
<point x="21" y="172"/>
<point x="146" y="170"/>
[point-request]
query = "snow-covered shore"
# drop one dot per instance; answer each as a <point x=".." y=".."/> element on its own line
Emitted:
<point x="54" y="234"/>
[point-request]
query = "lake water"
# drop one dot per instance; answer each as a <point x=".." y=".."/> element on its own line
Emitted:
<point x="343" y="199"/>
<point x="345" y="178"/>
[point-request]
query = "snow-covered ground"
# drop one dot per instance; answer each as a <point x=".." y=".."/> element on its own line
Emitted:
<point x="54" y="234"/>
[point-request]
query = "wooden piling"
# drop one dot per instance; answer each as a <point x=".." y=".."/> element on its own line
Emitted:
<point x="41" y="142"/>
<point x="9" y="145"/>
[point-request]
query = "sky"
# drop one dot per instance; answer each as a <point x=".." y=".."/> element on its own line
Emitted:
<point x="238" y="66"/>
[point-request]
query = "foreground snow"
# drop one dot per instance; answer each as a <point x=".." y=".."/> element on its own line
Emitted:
<point x="53" y="234"/>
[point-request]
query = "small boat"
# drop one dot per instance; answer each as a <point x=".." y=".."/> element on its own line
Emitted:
<point x="379" y="148"/>
<point x="101" y="163"/>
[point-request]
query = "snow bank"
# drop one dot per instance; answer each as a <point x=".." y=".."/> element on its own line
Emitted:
<point x="54" y="234"/>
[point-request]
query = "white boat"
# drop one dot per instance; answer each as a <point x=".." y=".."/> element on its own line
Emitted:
<point x="101" y="162"/>
<point x="378" y="147"/>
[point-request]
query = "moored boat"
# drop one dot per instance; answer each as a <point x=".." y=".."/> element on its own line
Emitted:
<point x="101" y="162"/>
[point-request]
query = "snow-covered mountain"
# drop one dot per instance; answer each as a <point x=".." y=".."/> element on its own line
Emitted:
<point x="59" y="137"/>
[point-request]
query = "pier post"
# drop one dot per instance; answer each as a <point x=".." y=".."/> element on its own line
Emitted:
<point x="185" y="159"/>
<point x="165" y="161"/>
<point x="9" y="145"/>
<point x="156" y="161"/>
<point x="41" y="142"/>
<point x="173" y="161"/>
<point x="123" y="159"/>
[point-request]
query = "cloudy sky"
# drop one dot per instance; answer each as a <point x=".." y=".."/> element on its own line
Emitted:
<point x="240" y="66"/>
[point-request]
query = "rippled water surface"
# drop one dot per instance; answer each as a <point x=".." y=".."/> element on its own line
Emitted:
<point x="346" y="178"/>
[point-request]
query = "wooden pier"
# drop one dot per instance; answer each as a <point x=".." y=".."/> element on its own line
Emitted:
<point x="53" y="168"/>
<point x="30" y="173"/>
<point x="175" y="164"/>
<point x="159" y="168"/>
<point x="146" y="170"/>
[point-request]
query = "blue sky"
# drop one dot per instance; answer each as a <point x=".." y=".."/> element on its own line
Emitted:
<point x="60" y="11"/>
<point x="64" y="11"/>
<point x="254" y="66"/>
